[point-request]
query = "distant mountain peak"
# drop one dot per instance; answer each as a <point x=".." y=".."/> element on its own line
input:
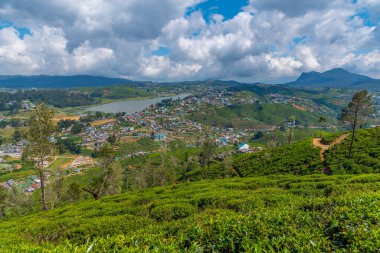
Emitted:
<point x="336" y="78"/>
<point x="337" y="70"/>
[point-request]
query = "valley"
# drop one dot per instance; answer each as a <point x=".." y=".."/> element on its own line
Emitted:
<point x="133" y="161"/>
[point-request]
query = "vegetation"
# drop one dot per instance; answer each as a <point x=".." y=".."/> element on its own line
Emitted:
<point x="141" y="195"/>
<point x="249" y="115"/>
<point x="265" y="214"/>
<point x="57" y="98"/>
<point x="299" y="158"/>
<point x="109" y="181"/>
<point x="39" y="147"/>
<point x="356" y="113"/>
<point x="365" y="154"/>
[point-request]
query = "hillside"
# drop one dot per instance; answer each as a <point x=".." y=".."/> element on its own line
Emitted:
<point x="336" y="78"/>
<point x="277" y="213"/>
<point x="302" y="158"/>
<point x="299" y="158"/>
<point x="249" y="115"/>
<point x="43" y="81"/>
<point x="366" y="154"/>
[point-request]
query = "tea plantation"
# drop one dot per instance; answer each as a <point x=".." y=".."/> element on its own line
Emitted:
<point x="366" y="154"/>
<point x="313" y="213"/>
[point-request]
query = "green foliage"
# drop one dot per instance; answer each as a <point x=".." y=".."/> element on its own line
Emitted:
<point x="169" y="212"/>
<point x="266" y="214"/>
<point x="248" y="115"/>
<point x="365" y="153"/>
<point x="68" y="144"/>
<point x="57" y="98"/>
<point x="298" y="159"/>
<point x="111" y="139"/>
<point x="120" y="92"/>
<point x="77" y="128"/>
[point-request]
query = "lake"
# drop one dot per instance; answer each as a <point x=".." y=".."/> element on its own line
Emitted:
<point x="130" y="106"/>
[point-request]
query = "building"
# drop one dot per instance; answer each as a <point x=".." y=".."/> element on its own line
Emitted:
<point x="243" y="147"/>
<point x="160" y="137"/>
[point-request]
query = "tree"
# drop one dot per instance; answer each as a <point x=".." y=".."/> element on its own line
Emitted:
<point x="77" y="128"/>
<point x="321" y="120"/>
<point x="107" y="163"/>
<point x="1" y="140"/>
<point x="356" y="113"/>
<point x="292" y="120"/>
<point x="208" y="151"/>
<point x="58" y="184"/>
<point x="98" y="115"/>
<point x="17" y="135"/>
<point x="3" y="200"/>
<point x="111" y="139"/>
<point x="73" y="192"/>
<point x="258" y="135"/>
<point x="39" y="148"/>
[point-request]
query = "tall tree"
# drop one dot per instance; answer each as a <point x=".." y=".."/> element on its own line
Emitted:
<point x="356" y="113"/>
<point x="39" y="147"/>
<point x="110" y="168"/>
<point x="208" y="151"/>
<point x="17" y="136"/>
<point x="73" y="192"/>
<point x="292" y="120"/>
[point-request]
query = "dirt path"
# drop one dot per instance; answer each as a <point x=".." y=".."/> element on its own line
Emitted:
<point x="317" y="143"/>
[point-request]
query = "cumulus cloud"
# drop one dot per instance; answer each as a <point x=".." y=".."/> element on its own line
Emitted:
<point x="267" y="40"/>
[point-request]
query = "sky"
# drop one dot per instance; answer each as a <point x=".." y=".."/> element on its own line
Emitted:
<point x="175" y="40"/>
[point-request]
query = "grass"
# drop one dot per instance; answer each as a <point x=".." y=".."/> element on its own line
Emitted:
<point x="102" y="122"/>
<point x="60" y="162"/>
<point x="7" y="132"/>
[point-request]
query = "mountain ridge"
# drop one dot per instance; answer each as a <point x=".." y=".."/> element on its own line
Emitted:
<point x="58" y="81"/>
<point x="335" y="78"/>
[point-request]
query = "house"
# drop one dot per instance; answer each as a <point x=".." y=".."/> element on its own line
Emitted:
<point x="1" y="116"/>
<point x="243" y="147"/>
<point x="160" y="137"/>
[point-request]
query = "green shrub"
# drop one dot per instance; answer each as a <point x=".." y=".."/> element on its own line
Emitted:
<point x="172" y="212"/>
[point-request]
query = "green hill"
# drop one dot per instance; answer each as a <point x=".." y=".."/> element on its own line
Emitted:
<point x="299" y="158"/>
<point x="366" y="154"/>
<point x="302" y="158"/>
<point x="249" y="115"/>
<point x="277" y="213"/>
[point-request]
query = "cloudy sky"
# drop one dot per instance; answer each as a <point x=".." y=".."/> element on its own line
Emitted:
<point x="167" y="40"/>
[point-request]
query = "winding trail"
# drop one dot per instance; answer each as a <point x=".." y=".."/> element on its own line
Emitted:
<point x="317" y="143"/>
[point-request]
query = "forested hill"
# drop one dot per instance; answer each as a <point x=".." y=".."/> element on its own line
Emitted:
<point x="43" y="81"/>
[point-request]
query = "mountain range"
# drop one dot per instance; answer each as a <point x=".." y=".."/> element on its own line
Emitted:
<point x="44" y="81"/>
<point x="335" y="78"/>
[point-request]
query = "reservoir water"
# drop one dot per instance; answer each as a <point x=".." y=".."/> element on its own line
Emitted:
<point x="130" y="106"/>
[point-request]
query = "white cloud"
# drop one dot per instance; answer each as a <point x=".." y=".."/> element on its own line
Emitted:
<point x="118" y="38"/>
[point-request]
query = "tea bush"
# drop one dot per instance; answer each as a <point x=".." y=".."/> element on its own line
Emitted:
<point x="287" y="213"/>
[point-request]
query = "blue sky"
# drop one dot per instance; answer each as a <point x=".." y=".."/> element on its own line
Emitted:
<point x="170" y="40"/>
<point x="227" y="8"/>
<point x="20" y="31"/>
